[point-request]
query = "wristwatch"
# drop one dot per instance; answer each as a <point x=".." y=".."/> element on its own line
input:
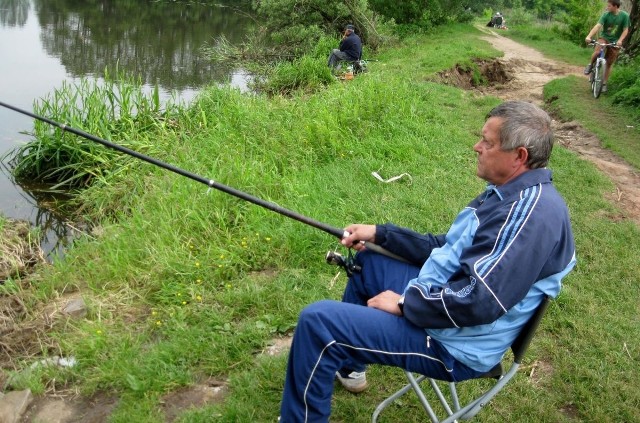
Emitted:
<point x="401" y="305"/>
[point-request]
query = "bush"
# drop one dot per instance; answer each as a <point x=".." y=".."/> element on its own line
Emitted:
<point x="626" y="81"/>
<point x="580" y="18"/>
<point x="297" y="39"/>
<point x="116" y="108"/>
<point x="307" y="74"/>
<point x="283" y="18"/>
<point x="519" y="16"/>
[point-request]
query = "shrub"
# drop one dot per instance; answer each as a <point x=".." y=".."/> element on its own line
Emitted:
<point x="626" y="80"/>
<point x="580" y="18"/>
<point x="306" y="74"/>
<point x="116" y="107"/>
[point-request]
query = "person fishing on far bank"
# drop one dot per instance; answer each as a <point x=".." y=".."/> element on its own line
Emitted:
<point x="349" y="50"/>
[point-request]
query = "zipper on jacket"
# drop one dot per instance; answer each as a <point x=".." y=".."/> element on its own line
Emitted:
<point x="428" y="341"/>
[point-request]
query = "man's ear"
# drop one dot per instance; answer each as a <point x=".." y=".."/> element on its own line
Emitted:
<point x="522" y="156"/>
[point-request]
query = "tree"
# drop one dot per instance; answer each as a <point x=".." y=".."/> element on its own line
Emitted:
<point x="580" y="18"/>
<point x="427" y="13"/>
<point x="632" y="42"/>
<point x="297" y="25"/>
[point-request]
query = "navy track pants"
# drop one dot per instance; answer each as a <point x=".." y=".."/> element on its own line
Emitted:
<point x="332" y="335"/>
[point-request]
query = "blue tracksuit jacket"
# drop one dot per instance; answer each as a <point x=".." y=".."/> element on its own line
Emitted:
<point x="482" y="281"/>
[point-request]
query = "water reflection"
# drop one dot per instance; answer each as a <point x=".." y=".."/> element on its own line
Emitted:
<point x="44" y="42"/>
<point x="14" y="12"/>
<point x="43" y="210"/>
<point x="158" y="41"/>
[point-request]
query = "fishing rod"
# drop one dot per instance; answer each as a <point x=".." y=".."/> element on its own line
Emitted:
<point x="339" y="233"/>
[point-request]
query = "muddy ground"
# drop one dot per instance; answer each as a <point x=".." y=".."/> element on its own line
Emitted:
<point x="520" y="74"/>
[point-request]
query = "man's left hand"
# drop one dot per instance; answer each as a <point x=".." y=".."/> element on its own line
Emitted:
<point x="386" y="301"/>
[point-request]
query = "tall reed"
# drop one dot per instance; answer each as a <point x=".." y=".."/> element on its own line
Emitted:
<point x="115" y="108"/>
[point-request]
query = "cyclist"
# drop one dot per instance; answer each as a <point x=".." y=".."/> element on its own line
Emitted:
<point x="612" y="27"/>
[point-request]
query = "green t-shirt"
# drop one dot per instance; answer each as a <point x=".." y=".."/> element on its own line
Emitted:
<point x="613" y="25"/>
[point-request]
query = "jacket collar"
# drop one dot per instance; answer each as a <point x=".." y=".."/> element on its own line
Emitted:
<point x="528" y="179"/>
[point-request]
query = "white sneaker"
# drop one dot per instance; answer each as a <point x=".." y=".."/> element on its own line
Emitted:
<point x="353" y="382"/>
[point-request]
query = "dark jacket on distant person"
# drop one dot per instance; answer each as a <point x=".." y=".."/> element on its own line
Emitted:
<point x="352" y="46"/>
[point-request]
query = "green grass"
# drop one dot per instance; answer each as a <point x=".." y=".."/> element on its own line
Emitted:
<point x="188" y="284"/>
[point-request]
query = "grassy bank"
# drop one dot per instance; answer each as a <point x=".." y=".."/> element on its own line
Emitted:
<point x="187" y="285"/>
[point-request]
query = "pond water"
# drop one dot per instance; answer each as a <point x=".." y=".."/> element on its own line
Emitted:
<point x="45" y="42"/>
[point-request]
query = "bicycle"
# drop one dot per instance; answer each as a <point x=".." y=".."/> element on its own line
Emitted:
<point x="596" y="76"/>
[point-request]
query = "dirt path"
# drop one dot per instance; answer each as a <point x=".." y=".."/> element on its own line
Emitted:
<point x="530" y="71"/>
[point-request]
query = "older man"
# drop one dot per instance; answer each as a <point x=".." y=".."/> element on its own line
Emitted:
<point x="453" y="312"/>
<point x="350" y="48"/>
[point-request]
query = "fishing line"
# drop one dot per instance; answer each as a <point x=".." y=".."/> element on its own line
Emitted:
<point x="337" y="232"/>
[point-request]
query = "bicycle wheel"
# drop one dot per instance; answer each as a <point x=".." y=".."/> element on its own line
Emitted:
<point x="598" y="78"/>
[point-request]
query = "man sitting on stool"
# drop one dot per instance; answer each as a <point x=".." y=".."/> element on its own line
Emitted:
<point x="350" y="48"/>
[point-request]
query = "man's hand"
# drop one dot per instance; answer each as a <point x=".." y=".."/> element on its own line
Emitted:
<point x="357" y="234"/>
<point x="386" y="301"/>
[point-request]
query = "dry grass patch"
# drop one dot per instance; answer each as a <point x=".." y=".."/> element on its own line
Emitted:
<point x="19" y="249"/>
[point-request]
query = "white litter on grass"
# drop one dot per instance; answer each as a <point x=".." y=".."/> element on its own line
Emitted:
<point x="55" y="361"/>
<point x="392" y="179"/>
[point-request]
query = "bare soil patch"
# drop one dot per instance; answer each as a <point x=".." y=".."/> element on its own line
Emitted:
<point x="70" y="408"/>
<point x="176" y="402"/>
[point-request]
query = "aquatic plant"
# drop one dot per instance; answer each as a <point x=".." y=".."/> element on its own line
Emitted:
<point x="306" y="74"/>
<point x="115" y="108"/>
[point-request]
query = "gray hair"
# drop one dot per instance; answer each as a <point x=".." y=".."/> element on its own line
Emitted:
<point x="525" y="125"/>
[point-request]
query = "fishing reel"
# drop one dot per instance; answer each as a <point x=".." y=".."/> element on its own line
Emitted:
<point x="347" y="263"/>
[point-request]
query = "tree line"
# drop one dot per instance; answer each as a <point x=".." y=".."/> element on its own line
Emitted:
<point x="293" y="23"/>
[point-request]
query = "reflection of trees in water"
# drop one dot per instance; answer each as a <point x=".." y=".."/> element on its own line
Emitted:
<point x="55" y="226"/>
<point x="14" y="12"/>
<point x="51" y="217"/>
<point x="158" y="41"/>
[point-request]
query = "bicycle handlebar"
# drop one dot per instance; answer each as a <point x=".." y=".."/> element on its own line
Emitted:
<point x="614" y="45"/>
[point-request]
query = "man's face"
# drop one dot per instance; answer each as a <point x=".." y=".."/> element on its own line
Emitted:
<point x="611" y="8"/>
<point x="494" y="165"/>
